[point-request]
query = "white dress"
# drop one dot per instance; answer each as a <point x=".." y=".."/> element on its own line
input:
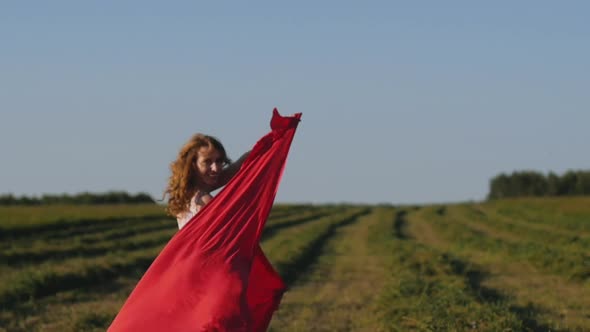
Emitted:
<point x="195" y="205"/>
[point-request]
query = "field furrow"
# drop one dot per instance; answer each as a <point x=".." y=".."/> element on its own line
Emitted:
<point x="572" y="262"/>
<point x="542" y="301"/>
<point x="338" y="291"/>
<point x="433" y="290"/>
<point x="97" y="287"/>
<point x="505" y="265"/>
<point x="553" y="234"/>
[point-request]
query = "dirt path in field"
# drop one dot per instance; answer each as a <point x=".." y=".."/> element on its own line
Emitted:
<point x="423" y="232"/>
<point x="556" y="300"/>
<point x="339" y="292"/>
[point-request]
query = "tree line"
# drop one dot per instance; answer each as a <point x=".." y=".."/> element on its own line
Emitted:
<point x="111" y="197"/>
<point x="532" y="183"/>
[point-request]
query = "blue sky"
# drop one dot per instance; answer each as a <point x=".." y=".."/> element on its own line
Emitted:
<point x="402" y="102"/>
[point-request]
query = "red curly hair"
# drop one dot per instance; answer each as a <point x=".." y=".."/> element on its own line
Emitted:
<point x="183" y="181"/>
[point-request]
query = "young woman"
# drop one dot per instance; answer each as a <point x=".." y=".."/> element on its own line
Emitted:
<point x="213" y="275"/>
<point x="202" y="166"/>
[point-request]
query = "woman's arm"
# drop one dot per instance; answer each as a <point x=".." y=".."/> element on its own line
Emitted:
<point x="231" y="170"/>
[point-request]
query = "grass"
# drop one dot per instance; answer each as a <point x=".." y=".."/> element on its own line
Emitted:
<point x="509" y="265"/>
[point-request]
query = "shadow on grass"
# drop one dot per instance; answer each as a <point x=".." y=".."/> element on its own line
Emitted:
<point x="271" y="230"/>
<point x="298" y="267"/>
<point x="400" y="224"/>
<point x="475" y="277"/>
<point x="69" y="228"/>
<point x="87" y="249"/>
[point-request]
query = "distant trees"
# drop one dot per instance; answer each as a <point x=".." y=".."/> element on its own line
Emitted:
<point x="532" y="183"/>
<point x="111" y="197"/>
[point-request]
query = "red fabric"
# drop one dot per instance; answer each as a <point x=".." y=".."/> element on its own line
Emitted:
<point x="212" y="275"/>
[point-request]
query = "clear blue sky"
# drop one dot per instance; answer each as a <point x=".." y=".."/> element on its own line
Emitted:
<point x="413" y="102"/>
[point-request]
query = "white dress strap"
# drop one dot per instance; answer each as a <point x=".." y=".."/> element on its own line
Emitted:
<point x="194" y="207"/>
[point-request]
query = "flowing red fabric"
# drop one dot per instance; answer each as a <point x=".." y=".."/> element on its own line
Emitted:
<point x="212" y="275"/>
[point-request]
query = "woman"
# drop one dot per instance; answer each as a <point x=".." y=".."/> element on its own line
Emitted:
<point x="212" y="275"/>
<point x="202" y="166"/>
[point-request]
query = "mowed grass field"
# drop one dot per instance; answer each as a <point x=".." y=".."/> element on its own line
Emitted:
<point x="507" y="265"/>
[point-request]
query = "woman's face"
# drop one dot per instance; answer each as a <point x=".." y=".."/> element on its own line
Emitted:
<point x="209" y="164"/>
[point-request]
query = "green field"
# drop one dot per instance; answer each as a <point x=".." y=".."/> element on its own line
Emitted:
<point x="507" y="265"/>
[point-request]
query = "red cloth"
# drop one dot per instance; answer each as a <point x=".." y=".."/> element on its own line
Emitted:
<point x="212" y="275"/>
